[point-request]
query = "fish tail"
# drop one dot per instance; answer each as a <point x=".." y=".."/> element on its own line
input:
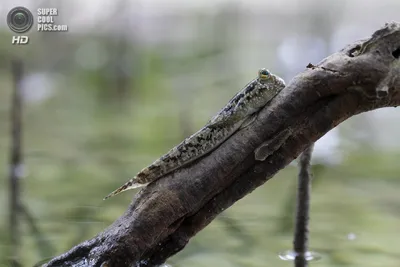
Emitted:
<point x="131" y="184"/>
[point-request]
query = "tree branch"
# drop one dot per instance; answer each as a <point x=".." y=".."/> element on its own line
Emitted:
<point x="164" y="216"/>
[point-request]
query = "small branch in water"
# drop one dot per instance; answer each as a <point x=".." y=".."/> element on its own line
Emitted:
<point x="300" y="243"/>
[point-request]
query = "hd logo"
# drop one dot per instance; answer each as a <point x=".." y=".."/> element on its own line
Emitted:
<point x="20" y="40"/>
<point x="20" y="20"/>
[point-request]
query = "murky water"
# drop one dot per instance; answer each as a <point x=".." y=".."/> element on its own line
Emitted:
<point x="354" y="219"/>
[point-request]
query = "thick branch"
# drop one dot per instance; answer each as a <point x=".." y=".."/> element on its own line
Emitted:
<point x="165" y="215"/>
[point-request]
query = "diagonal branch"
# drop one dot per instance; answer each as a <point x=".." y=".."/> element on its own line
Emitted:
<point x="164" y="216"/>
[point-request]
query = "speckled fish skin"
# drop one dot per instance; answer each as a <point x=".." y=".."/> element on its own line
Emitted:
<point x="242" y="106"/>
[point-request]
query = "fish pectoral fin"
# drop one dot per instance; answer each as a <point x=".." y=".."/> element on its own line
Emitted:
<point x="221" y="121"/>
<point x="131" y="184"/>
<point x="248" y="121"/>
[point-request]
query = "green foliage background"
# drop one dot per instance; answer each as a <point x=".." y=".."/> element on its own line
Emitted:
<point x="100" y="126"/>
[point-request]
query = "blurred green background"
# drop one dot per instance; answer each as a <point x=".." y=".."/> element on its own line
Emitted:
<point x="130" y="79"/>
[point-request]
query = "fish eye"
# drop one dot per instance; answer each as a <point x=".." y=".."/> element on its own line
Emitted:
<point x="263" y="73"/>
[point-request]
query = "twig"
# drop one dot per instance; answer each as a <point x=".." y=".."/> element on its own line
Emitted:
<point x="15" y="160"/>
<point x="44" y="247"/>
<point x="300" y="243"/>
